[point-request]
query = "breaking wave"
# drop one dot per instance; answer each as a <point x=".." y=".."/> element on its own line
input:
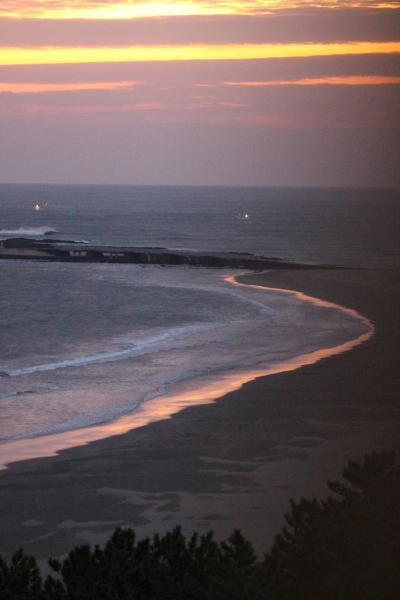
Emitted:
<point x="30" y="231"/>
<point x="132" y="349"/>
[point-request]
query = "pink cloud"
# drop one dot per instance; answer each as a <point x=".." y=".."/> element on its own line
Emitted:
<point x="301" y="24"/>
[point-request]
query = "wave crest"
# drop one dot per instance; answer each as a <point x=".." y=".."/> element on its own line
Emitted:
<point x="30" y="231"/>
<point x="132" y="349"/>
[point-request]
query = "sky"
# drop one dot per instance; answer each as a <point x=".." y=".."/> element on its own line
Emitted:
<point x="197" y="92"/>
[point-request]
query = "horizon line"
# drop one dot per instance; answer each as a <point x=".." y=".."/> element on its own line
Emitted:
<point x="210" y="185"/>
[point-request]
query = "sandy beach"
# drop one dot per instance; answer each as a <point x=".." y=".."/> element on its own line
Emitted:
<point x="231" y="464"/>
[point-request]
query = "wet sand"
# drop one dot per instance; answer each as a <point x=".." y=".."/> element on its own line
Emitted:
<point x="232" y="464"/>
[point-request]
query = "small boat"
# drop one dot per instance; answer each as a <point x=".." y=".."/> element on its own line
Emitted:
<point x="37" y="206"/>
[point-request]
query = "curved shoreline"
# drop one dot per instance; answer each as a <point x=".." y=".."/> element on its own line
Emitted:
<point x="186" y="394"/>
<point x="232" y="464"/>
<point x="307" y="298"/>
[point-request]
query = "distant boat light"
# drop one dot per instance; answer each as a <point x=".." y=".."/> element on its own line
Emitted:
<point x="243" y="216"/>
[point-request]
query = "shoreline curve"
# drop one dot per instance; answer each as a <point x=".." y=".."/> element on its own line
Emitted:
<point x="208" y="391"/>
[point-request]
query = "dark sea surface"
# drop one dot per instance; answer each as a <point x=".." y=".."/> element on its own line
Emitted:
<point x="82" y="344"/>
<point x="353" y="227"/>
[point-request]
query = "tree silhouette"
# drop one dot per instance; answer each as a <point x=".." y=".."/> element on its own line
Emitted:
<point x="20" y="580"/>
<point x="346" y="547"/>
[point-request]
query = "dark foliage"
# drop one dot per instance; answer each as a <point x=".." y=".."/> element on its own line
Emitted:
<point x="347" y="547"/>
<point x="21" y="579"/>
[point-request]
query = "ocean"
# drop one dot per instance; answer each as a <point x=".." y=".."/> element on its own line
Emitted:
<point x="86" y="345"/>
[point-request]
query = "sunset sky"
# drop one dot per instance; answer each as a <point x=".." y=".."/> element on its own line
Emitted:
<point x="256" y="92"/>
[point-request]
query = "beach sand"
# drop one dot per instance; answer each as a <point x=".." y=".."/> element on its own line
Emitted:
<point x="231" y="464"/>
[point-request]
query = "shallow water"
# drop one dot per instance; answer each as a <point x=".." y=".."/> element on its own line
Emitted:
<point x="198" y="326"/>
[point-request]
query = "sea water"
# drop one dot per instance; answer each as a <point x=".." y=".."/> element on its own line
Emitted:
<point x="83" y="344"/>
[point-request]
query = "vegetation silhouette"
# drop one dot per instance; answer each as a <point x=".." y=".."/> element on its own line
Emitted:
<point x="346" y="546"/>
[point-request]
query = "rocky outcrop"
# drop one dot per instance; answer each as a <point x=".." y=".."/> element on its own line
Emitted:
<point x="68" y="251"/>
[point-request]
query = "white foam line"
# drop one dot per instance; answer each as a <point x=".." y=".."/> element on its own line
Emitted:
<point x="134" y="348"/>
<point x="209" y="288"/>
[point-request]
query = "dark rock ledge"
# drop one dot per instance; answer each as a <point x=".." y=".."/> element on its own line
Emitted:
<point x="57" y="250"/>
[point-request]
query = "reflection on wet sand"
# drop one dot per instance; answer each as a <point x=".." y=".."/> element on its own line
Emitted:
<point x="203" y="390"/>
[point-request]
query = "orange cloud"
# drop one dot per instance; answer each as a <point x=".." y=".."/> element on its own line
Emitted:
<point x="343" y="80"/>
<point x="76" y="9"/>
<point x="129" y="9"/>
<point x="38" y="88"/>
<point x="64" y="55"/>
